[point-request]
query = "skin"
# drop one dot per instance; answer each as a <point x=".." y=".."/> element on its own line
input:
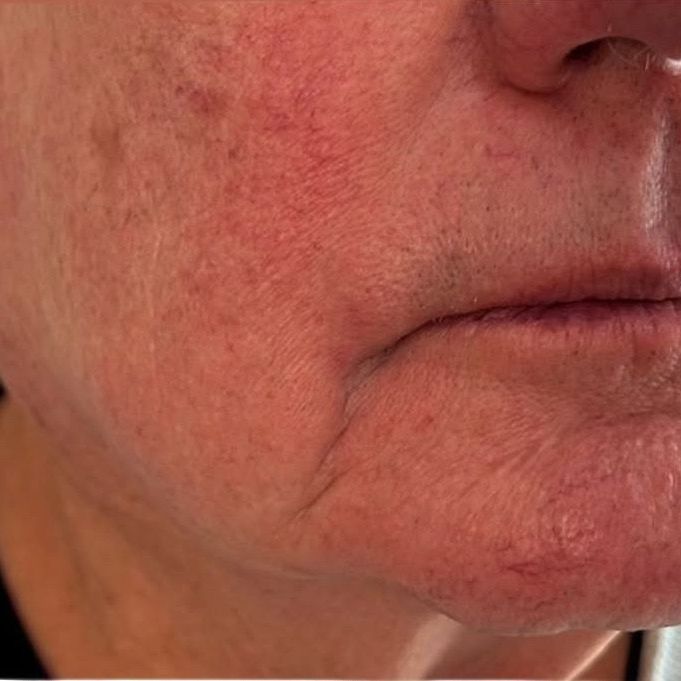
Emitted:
<point x="226" y="228"/>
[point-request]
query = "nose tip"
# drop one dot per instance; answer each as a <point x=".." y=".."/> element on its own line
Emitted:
<point x="534" y="38"/>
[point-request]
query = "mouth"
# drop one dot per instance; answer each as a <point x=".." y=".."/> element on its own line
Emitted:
<point x="605" y="327"/>
<point x="630" y="290"/>
<point x="588" y="311"/>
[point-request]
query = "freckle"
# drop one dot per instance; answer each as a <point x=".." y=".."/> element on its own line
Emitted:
<point x="107" y="141"/>
<point x="208" y="102"/>
<point x="425" y="423"/>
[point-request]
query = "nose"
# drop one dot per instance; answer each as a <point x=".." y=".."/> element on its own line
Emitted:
<point x="535" y="40"/>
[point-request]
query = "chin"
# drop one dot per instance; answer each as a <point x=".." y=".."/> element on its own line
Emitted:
<point x="527" y="540"/>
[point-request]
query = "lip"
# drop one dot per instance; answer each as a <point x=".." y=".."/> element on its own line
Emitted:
<point x="590" y="316"/>
<point x="632" y="278"/>
<point x="587" y="311"/>
<point x="603" y="327"/>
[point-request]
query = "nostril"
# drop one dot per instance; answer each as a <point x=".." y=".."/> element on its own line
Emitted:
<point x="585" y="53"/>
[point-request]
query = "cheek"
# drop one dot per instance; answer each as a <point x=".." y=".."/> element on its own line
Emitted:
<point x="206" y="240"/>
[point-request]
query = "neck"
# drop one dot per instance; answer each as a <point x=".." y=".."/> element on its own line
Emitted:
<point x="106" y="593"/>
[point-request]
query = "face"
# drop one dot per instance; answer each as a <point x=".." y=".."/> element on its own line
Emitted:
<point x="227" y="230"/>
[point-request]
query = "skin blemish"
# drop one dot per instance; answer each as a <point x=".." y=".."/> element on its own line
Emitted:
<point x="499" y="152"/>
<point x="203" y="101"/>
<point x="107" y="142"/>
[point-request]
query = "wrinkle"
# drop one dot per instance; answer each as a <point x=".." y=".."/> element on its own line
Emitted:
<point x="152" y="308"/>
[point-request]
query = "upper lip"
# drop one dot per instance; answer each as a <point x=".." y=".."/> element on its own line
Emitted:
<point x="616" y="282"/>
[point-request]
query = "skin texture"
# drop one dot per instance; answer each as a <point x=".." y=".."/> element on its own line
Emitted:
<point x="225" y="230"/>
